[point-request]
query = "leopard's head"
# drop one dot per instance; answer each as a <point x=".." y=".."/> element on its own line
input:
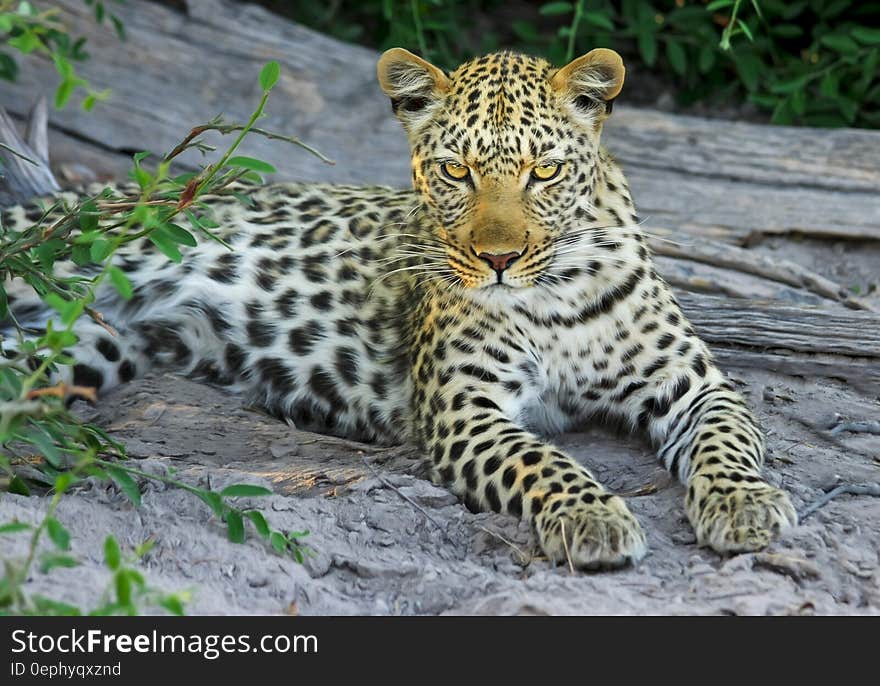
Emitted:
<point x="505" y="151"/>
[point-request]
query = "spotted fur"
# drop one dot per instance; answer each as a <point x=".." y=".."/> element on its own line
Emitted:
<point x="473" y="316"/>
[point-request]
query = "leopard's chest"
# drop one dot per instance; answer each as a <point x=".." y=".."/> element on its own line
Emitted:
<point x="578" y="365"/>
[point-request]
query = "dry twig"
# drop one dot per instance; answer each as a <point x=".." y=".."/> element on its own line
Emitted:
<point x="843" y="489"/>
<point x="412" y="502"/>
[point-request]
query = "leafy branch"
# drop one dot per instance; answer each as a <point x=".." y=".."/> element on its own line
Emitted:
<point x="43" y="445"/>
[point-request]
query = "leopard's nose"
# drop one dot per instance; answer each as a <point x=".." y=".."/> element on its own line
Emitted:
<point x="500" y="262"/>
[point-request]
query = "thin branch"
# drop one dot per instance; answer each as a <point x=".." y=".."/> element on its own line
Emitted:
<point x="863" y="427"/>
<point x="843" y="489"/>
<point x="412" y="502"/>
<point x="231" y="128"/>
<point x="525" y="558"/>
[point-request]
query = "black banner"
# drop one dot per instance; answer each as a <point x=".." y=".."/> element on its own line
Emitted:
<point x="154" y="650"/>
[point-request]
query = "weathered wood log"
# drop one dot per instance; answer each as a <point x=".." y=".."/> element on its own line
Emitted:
<point x="772" y="269"/>
<point x="800" y="341"/>
<point x="26" y="170"/>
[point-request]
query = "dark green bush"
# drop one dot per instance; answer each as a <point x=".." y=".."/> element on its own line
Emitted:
<point x="812" y="62"/>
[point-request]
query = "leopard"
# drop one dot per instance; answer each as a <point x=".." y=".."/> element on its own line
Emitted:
<point x="509" y="295"/>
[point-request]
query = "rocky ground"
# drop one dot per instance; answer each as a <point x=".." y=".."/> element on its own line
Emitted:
<point x="386" y="541"/>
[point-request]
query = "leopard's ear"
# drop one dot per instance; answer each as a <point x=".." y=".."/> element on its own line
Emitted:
<point x="413" y="84"/>
<point x="591" y="82"/>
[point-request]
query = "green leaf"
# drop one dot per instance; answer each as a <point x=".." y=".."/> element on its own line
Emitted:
<point x="18" y="486"/>
<point x="100" y="249"/>
<point x="757" y="7"/>
<point x="830" y="85"/>
<point x="827" y="10"/>
<point x="145" y="547"/>
<point x="782" y="113"/>
<point x="234" y="527"/>
<point x="718" y="4"/>
<point x="799" y="102"/>
<point x="15" y="527"/>
<point x="869" y="71"/>
<point x="849" y="109"/>
<point x="787" y="30"/>
<point x="4" y="303"/>
<point x="749" y="68"/>
<point x="81" y="255"/>
<point x="745" y="29"/>
<point x="120" y="281"/>
<point x="142" y="176"/>
<point x="677" y="58"/>
<point x="173" y="604"/>
<point x="59" y="535"/>
<point x="88" y="216"/>
<point x="790" y="86"/>
<point x="166" y="245"/>
<point x="213" y="500"/>
<point x="49" y="562"/>
<point x="648" y="46"/>
<point x="112" y="554"/>
<point x="123" y="587"/>
<point x="54" y="608"/>
<point x="840" y="43"/>
<point x="47" y="252"/>
<point x="278" y="541"/>
<point x="259" y="522"/>
<point x="178" y="234"/>
<point x="706" y="60"/>
<point x="244" y="491"/>
<point x="599" y="19"/>
<point x="866" y="35"/>
<point x="63" y="481"/>
<point x="251" y="163"/>
<point x="125" y="483"/>
<point x="40" y="438"/>
<point x="26" y="43"/>
<point x="118" y="26"/>
<point x="269" y="75"/>
<point x="525" y="31"/>
<point x="63" y="92"/>
<point x="550" y="9"/>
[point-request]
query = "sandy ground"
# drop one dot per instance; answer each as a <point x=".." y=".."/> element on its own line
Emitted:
<point x="386" y="541"/>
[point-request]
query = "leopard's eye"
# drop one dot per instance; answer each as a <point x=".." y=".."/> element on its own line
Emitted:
<point x="456" y="172"/>
<point x="545" y="172"/>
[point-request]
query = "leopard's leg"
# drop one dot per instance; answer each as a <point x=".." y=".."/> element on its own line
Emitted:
<point x="494" y="464"/>
<point x="710" y="440"/>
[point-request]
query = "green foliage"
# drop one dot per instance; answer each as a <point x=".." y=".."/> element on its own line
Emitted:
<point x="27" y="28"/>
<point x="812" y="62"/>
<point x="43" y="447"/>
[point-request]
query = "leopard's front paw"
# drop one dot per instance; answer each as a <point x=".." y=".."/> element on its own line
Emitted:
<point x="598" y="534"/>
<point x="740" y="517"/>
